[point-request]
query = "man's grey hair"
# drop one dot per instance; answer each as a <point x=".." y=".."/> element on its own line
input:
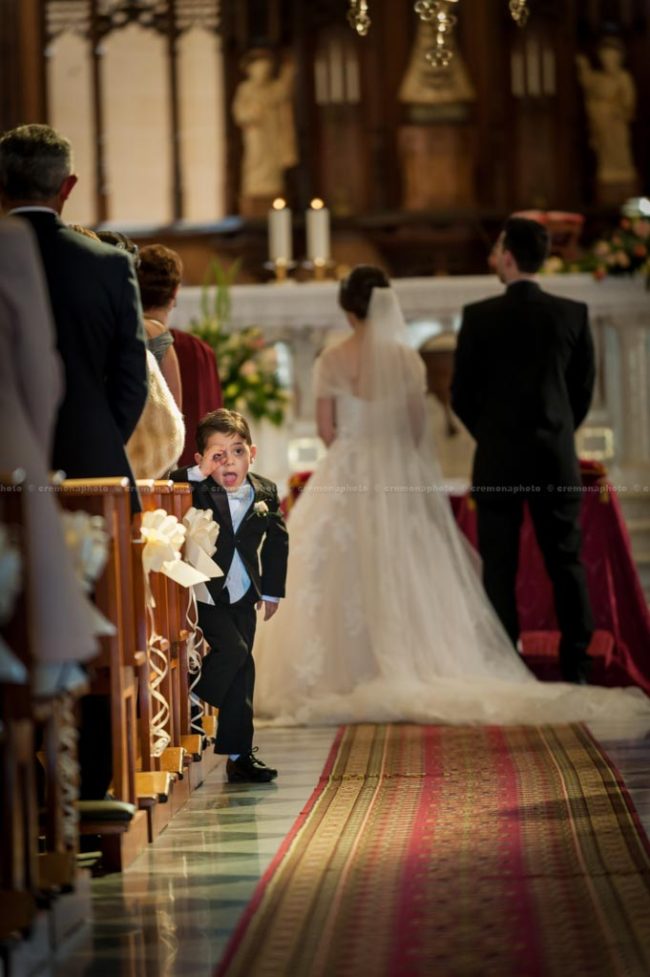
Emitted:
<point x="34" y="162"/>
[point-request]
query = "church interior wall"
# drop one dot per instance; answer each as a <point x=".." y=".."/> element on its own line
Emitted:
<point x="418" y="185"/>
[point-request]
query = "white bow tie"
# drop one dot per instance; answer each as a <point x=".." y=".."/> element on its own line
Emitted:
<point x="239" y="495"/>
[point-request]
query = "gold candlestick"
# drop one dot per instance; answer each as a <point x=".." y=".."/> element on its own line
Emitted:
<point x="280" y="268"/>
<point x="320" y="269"/>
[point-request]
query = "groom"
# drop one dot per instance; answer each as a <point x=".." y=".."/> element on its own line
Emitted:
<point x="523" y="381"/>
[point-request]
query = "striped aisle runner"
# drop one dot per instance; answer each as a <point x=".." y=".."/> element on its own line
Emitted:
<point x="440" y="851"/>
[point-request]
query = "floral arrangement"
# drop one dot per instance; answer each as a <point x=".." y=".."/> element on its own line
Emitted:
<point x="625" y="251"/>
<point x="247" y="364"/>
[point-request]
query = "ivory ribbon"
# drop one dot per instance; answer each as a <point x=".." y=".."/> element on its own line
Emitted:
<point x="197" y="647"/>
<point x="200" y="544"/>
<point x="163" y="538"/>
<point x="68" y="767"/>
<point x="157" y="649"/>
<point x="87" y="542"/>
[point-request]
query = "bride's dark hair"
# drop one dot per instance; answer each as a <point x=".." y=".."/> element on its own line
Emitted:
<point x="355" y="291"/>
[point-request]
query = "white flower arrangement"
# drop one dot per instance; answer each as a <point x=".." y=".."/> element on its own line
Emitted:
<point x="261" y="508"/>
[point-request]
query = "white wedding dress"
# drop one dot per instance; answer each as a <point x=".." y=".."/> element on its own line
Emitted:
<point x="385" y="617"/>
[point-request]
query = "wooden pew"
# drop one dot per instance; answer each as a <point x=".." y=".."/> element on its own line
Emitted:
<point x="120" y="826"/>
<point x="153" y="785"/>
<point x="193" y="741"/>
<point x="176" y="503"/>
<point x="173" y="600"/>
<point x="153" y="780"/>
<point x="197" y="743"/>
<point x="167" y="622"/>
<point x="39" y="865"/>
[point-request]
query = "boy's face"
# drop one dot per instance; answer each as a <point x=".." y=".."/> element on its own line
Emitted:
<point x="231" y="457"/>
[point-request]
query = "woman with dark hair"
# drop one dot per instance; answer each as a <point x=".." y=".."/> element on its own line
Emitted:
<point x="159" y="273"/>
<point x="386" y="618"/>
<point x="354" y="298"/>
<point x="158" y="438"/>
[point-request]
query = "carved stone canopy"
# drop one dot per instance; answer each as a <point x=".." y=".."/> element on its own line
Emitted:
<point x="76" y="16"/>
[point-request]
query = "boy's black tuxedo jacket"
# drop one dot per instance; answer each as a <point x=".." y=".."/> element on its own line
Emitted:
<point x="100" y="336"/>
<point x="523" y="381"/>
<point x="266" y="568"/>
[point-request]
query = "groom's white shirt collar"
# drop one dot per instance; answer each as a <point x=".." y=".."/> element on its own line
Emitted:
<point x="33" y="210"/>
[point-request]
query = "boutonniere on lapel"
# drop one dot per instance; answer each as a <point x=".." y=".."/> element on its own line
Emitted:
<point x="260" y="508"/>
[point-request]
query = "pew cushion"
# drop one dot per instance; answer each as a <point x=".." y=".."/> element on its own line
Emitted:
<point x="106" y="810"/>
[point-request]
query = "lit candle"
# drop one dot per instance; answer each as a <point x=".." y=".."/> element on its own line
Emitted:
<point x="318" y="231"/>
<point x="280" y="231"/>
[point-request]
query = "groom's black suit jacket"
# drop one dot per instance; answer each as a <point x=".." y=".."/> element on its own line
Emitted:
<point x="523" y="382"/>
<point x="266" y="566"/>
<point x="100" y="336"/>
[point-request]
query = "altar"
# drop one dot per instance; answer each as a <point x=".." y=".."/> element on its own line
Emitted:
<point x="301" y="318"/>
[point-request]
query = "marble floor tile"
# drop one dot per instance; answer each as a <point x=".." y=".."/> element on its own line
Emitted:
<point x="171" y="913"/>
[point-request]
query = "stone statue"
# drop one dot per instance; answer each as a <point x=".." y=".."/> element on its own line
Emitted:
<point x="263" y="108"/>
<point x="425" y="85"/>
<point x="436" y="139"/>
<point x="610" y="100"/>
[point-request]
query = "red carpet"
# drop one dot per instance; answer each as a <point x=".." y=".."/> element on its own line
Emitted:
<point x="436" y="851"/>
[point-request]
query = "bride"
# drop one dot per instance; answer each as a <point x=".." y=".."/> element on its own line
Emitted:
<point x="386" y="618"/>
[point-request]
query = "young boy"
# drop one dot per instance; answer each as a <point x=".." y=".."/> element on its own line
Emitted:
<point x="247" y="509"/>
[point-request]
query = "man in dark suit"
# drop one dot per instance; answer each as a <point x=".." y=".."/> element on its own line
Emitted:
<point x="100" y="337"/>
<point x="523" y="383"/>
<point x="96" y="305"/>
<point x="247" y="510"/>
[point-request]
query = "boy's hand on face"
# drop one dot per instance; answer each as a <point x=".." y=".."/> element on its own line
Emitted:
<point x="270" y="607"/>
<point x="227" y="458"/>
<point x="209" y="462"/>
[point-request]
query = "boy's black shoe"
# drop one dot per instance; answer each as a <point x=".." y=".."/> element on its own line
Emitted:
<point x="247" y="769"/>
